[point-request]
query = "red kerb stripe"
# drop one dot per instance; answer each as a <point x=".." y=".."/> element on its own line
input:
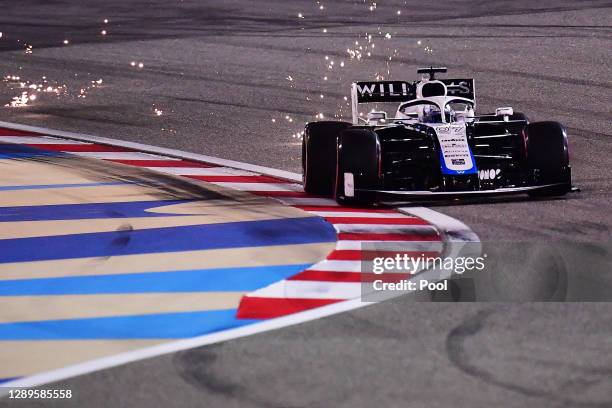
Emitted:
<point x="345" y="209"/>
<point x="11" y="132"/>
<point x="266" y="308"/>
<point x="387" y="237"/>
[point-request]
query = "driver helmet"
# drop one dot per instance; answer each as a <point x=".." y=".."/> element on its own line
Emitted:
<point x="431" y="114"/>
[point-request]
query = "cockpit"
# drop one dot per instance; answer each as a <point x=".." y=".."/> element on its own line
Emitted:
<point x="437" y="110"/>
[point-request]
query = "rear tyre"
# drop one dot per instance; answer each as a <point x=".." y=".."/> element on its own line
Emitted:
<point x="319" y="156"/>
<point x="548" y="158"/>
<point x="358" y="157"/>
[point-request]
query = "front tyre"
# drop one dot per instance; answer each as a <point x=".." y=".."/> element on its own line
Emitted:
<point x="319" y="156"/>
<point x="358" y="167"/>
<point x="548" y="158"/>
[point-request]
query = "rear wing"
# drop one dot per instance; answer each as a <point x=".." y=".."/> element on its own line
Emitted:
<point x="401" y="91"/>
<point x="380" y="91"/>
<point x="463" y="88"/>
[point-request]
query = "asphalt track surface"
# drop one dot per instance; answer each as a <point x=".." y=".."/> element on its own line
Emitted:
<point x="219" y="73"/>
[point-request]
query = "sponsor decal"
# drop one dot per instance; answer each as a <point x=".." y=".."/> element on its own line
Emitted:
<point x="489" y="174"/>
<point x="400" y="91"/>
<point x="385" y="91"/>
<point x="455" y="154"/>
<point x="460" y="87"/>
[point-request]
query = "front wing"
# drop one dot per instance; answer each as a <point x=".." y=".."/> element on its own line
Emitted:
<point x="450" y="194"/>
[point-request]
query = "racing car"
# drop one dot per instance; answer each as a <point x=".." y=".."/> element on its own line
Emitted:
<point x="434" y="146"/>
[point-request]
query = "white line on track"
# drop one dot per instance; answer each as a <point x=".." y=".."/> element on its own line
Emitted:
<point x="452" y="229"/>
<point x="38" y="140"/>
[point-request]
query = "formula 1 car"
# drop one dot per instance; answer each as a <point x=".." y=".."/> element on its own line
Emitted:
<point x="434" y="146"/>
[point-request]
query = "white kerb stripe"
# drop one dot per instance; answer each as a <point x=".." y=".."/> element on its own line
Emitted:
<point x="391" y="245"/>
<point x="203" y="171"/>
<point x="328" y="202"/>
<point x="122" y="156"/>
<point x="337" y="266"/>
<point x="310" y="290"/>
<point x="261" y="186"/>
<point x="384" y="228"/>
